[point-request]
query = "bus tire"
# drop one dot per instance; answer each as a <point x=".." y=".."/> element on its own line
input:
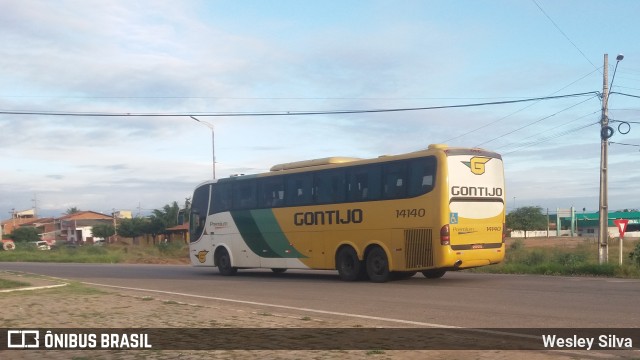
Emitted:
<point x="434" y="273"/>
<point x="224" y="263"/>
<point x="278" y="270"/>
<point x="349" y="267"/>
<point x="378" y="265"/>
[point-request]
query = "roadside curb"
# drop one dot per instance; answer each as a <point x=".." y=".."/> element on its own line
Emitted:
<point x="34" y="288"/>
<point x="36" y="282"/>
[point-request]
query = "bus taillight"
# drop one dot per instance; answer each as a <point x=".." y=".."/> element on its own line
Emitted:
<point x="445" y="239"/>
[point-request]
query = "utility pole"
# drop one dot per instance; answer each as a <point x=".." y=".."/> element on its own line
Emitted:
<point x="213" y="146"/>
<point x="605" y="133"/>
<point x="603" y="220"/>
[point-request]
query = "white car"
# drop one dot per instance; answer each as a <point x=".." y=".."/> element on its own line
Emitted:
<point x="41" y="245"/>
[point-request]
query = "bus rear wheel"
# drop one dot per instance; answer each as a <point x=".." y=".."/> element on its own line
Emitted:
<point x="348" y="265"/>
<point x="224" y="263"/>
<point x="378" y="265"/>
<point x="434" y="273"/>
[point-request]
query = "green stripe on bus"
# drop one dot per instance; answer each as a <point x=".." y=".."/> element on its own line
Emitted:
<point x="251" y="234"/>
<point x="261" y="232"/>
<point x="273" y="234"/>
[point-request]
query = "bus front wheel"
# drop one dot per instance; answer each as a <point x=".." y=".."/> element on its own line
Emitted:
<point x="348" y="265"/>
<point x="434" y="273"/>
<point x="224" y="263"/>
<point x="378" y="265"/>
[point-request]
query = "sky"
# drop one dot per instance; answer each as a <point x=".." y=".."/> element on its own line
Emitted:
<point x="64" y="65"/>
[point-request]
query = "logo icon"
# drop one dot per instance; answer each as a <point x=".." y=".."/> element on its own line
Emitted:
<point x="23" y="339"/>
<point x="202" y="256"/>
<point x="477" y="164"/>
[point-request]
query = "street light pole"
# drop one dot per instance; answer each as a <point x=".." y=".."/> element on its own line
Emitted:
<point x="605" y="133"/>
<point x="213" y="146"/>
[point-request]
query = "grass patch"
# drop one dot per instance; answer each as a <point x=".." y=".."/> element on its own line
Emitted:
<point x="12" y="284"/>
<point x="110" y="254"/>
<point x="581" y="260"/>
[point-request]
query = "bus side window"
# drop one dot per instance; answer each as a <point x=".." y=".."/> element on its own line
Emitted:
<point x="330" y="186"/>
<point x="220" y="198"/>
<point x="271" y="192"/>
<point x="395" y="184"/>
<point x="422" y="172"/>
<point x="299" y="189"/>
<point x="244" y="194"/>
<point x="364" y="183"/>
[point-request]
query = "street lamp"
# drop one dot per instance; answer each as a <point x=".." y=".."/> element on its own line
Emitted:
<point x="213" y="147"/>
<point x="605" y="133"/>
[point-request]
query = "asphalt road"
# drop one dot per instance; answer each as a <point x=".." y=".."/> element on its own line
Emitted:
<point x="458" y="299"/>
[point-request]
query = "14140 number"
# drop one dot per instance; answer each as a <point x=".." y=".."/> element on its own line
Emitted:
<point x="408" y="213"/>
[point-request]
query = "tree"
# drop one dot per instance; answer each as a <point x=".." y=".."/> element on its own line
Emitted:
<point x="72" y="210"/>
<point x="167" y="215"/>
<point x="527" y="218"/>
<point x="131" y="228"/>
<point x="162" y="219"/>
<point x="103" y="230"/>
<point x="25" y="234"/>
<point x="154" y="226"/>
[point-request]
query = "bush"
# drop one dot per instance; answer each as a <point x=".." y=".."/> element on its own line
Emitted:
<point x="170" y="248"/>
<point x="516" y="245"/>
<point x="635" y="255"/>
<point x="25" y="234"/>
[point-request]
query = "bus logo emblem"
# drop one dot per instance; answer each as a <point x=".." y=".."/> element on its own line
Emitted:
<point x="202" y="256"/>
<point x="476" y="164"/>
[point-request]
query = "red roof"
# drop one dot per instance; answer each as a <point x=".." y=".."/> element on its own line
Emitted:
<point x="86" y="215"/>
<point x="183" y="227"/>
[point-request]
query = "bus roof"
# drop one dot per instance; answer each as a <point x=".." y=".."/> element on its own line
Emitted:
<point x="298" y="166"/>
<point x="314" y="162"/>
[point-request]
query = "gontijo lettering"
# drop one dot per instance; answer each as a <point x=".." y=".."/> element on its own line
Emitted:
<point x="329" y="217"/>
<point x="475" y="191"/>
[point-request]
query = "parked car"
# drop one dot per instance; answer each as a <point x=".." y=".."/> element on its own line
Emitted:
<point x="41" y="245"/>
<point x="99" y="242"/>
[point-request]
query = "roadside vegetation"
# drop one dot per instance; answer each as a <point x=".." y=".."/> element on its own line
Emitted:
<point x="164" y="253"/>
<point x="581" y="259"/>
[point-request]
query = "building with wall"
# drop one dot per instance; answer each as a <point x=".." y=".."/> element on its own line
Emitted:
<point x="588" y="223"/>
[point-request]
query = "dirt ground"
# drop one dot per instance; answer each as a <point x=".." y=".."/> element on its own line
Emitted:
<point x="81" y="306"/>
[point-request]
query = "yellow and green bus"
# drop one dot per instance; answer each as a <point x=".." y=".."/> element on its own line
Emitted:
<point x="428" y="211"/>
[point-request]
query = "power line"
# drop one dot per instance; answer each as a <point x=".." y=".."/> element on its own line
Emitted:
<point x="553" y="128"/>
<point x="288" y="113"/>
<point x="625" y="144"/>
<point x="250" y="98"/>
<point x="535" y="122"/>
<point x="541" y="140"/>
<point x="623" y="94"/>
<point x="515" y="112"/>
<point x="563" y="34"/>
